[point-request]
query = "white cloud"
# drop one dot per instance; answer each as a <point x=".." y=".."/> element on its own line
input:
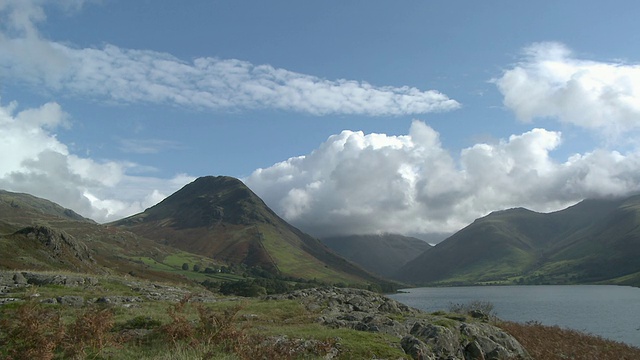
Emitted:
<point x="147" y="146"/>
<point x="34" y="161"/>
<point x="356" y="183"/>
<point x="124" y="75"/>
<point x="551" y="82"/>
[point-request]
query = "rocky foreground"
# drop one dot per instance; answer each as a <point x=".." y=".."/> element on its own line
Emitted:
<point x="423" y="336"/>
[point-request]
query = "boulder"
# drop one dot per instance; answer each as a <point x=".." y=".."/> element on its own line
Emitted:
<point x="423" y="336"/>
<point x="70" y="300"/>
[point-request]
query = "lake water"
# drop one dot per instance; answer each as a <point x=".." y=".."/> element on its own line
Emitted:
<point x="610" y="311"/>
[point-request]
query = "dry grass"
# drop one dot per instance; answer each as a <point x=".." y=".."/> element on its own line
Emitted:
<point x="218" y="332"/>
<point x="552" y="342"/>
<point x="32" y="330"/>
<point x="91" y="331"/>
<point x="36" y="331"/>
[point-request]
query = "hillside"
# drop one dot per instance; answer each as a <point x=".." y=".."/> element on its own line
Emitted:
<point x="593" y="241"/>
<point x="220" y="218"/>
<point x="37" y="234"/>
<point x="380" y="254"/>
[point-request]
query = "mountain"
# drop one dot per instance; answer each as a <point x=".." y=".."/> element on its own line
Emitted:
<point x="592" y="241"/>
<point x="381" y="254"/>
<point x="37" y="234"/>
<point x="221" y="218"/>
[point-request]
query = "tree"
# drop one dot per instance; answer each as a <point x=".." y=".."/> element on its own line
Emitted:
<point x="196" y="267"/>
<point x="185" y="266"/>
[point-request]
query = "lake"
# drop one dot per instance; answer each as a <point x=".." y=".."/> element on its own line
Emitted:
<point x="610" y="311"/>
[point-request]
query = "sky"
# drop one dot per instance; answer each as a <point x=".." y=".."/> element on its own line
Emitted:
<point x="346" y="117"/>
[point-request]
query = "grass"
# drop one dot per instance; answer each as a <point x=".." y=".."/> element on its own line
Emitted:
<point x="294" y="261"/>
<point x="231" y="329"/>
<point x="173" y="264"/>
<point x="224" y="329"/>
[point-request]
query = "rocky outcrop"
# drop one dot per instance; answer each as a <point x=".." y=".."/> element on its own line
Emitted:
<point x="146" y="291"/>
<point x="58" y="242"/>
<point x="423" y="336"/>
<point x="13" y="279"/>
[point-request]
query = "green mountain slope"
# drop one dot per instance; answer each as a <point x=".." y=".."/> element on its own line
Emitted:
<point x="380" y="254"/>
<point x="608" y="248"/>
<point x="37" y="234"/>
<point x="595" y="240"/>
<point x="219" y="217"/>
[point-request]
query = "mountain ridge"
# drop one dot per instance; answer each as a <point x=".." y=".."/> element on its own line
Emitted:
<point x="381" y="254"/>
<point x="517" y="245"/>
<point x="221" y="218"/>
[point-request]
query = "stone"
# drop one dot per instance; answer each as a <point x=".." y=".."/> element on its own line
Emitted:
<point x="473" y="351"/>
<point x="415" y="348"/>
<point x="423" y="336"/>
<point x="70" y="300"/>
<point x="19" y="279"/>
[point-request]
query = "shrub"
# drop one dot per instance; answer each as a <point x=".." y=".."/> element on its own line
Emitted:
<point x="216" y="332"/>
<point x="90" y="331"/>
<point x="245" y="288"/>
<point x="479" y="309"/>
<point x="179" y="328"/>
<point x="33" y="332"/>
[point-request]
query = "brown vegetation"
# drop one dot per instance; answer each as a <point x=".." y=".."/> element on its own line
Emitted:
<point x="33" y="330"/>
<point x="552" y="342"/>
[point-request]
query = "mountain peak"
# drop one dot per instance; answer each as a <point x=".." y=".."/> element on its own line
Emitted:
<point x="205" y="202"/>
<point x="221" y="218"/>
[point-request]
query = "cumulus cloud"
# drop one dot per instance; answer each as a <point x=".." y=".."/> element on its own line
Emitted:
<point x="551" y="82"/>
<point x="356" y="183"/>
<point x="34" y="161"/>
<point x="126" y="75"/>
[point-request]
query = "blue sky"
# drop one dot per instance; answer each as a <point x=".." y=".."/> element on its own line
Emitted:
<point x="346" y="117"/>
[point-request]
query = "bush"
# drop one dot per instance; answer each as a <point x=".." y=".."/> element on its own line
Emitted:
<point x="478" y="309"/>
<point x="216" y="332"/>
<point x="242" y="288"/>
<point x="179" y="328"/>
<point x="90" y="331"/>
<point x="33" y="332"/>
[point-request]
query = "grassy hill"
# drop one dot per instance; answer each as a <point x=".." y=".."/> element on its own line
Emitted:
<point x="36" y="234"/>
<point x="220" y="218"/>
<point x="593" y="241"/>
<point x="380" y="254"/>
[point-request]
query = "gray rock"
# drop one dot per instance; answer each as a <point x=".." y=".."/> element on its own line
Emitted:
<point x="415" y="348"/>
<point x="118" y="300"/>
<point x="444" y="342"/>
<point x="19" y="279"/>
<point x="9" y="300"/>
<point x="423" y="336"/>
<point x="70" y="300"/>
<point x="473" y="351"/>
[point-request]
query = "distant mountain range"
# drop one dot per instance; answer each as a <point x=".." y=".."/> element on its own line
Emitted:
<point x="217" y="222"/>
<point x="36" y="234"/>
<point x="590" y="242"/>
<point x="220" y="218"/>
<point x="381" y="254"/>
<point x="213" y="223"/>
